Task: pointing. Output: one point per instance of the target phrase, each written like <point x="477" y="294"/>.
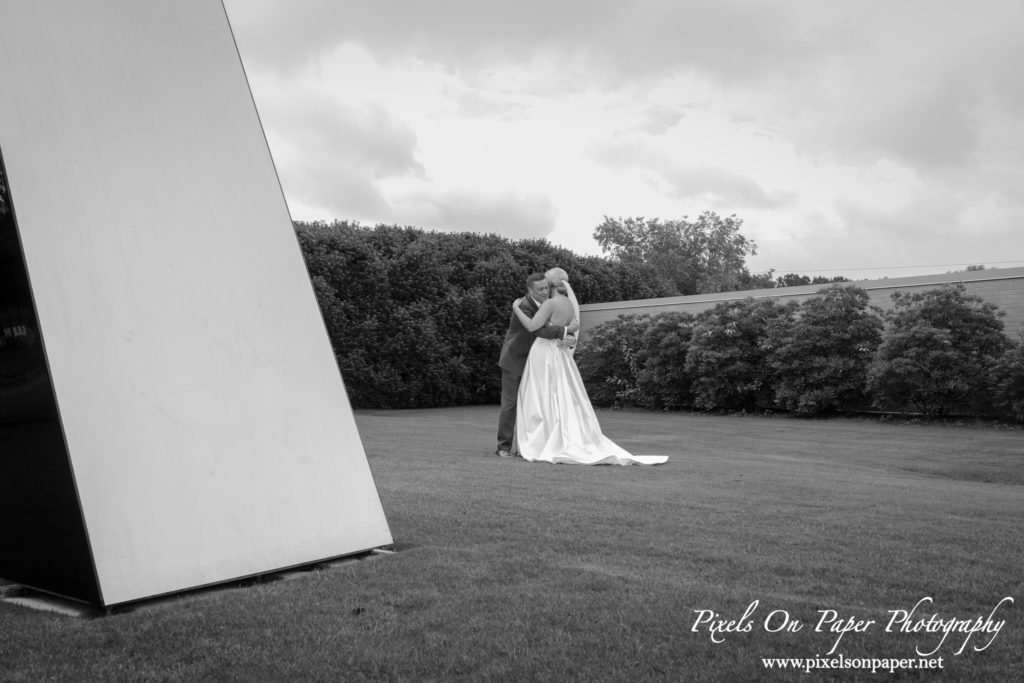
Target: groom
<point x="514" y="351"/>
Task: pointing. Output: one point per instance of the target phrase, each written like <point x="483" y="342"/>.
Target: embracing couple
<point x="546" y="414"/>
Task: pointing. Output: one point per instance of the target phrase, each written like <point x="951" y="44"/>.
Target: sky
<point x="856" y="138"/>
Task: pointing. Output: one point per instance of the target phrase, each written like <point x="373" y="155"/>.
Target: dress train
<point x="555" y="421"/>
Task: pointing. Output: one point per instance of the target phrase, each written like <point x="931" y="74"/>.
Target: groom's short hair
<point x="534" y="277"/>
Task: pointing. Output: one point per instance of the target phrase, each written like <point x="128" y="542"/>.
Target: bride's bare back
<point x="561" y="310"/>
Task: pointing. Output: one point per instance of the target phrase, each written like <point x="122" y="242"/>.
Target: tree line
<point x="936" y="352"/>
<point x="417" y="318"/>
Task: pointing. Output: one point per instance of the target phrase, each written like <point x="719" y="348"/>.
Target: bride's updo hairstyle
<point x="557" y="278"/>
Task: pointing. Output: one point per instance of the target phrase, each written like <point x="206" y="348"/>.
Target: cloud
<point x="608" y="40"/>
<point x="927" y="91"/>
<point x="361" y="135"/>
<point x="915" y="81"/>
<point x="859" y="78"/>
<point x="715" y="186"/>
<point x="472" y="105"/>
<point x="921" y="215"/>
<point x="658" y="119"/>
<point x="932" y="226"/>
<point x="332" y="154"/>
<point x="513" y="215"/>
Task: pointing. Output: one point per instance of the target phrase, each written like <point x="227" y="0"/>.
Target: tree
<point x="795" y="280"/>
<point x="729" y="352"/>
<point x="764" y="280"/>
<point x="792" y="280"/>
<point x="1007" y="380"/>
<point x="662" y="380"/>
<point x="417" y="318"/>
<point x="608" y="359"/>
<point x="821" y="360"/>
<point x="692" y="257"/>
<point x="938" y="352"/>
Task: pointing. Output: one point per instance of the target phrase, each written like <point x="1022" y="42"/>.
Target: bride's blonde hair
<point x="557" y="278"/>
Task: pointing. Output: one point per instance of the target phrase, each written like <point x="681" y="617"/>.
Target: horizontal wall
<point x="1003" y="287"/>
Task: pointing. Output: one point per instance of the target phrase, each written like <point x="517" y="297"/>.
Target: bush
<point x="397" y="325"/>
<point x="608" y="360"/>
<point x="938" y="352"/>
<point x="662" y="380"/>
<point x="417" y="318"/>
<point x="821" y="360"/>
<point x="729" y="352"/>
<point x="1007" y="381"/>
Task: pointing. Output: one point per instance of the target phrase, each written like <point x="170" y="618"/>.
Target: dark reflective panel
<point x="42" y="536"/>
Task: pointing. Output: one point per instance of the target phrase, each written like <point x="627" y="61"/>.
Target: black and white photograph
<point x="486" y="341"/>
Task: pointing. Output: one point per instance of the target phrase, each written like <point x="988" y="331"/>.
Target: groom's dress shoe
<point x="502" y="453"/>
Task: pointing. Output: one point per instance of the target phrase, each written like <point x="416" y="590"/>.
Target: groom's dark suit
<point x="512" y="360"/>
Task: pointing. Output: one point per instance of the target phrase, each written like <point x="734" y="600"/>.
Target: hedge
<point x="938" y="352"/>
<point x="417" y="318"/>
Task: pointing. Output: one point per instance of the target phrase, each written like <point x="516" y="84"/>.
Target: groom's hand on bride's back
<point x="573" y="326"/>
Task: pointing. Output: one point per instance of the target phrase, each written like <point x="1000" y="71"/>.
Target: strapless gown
<point x="555" y="421"/>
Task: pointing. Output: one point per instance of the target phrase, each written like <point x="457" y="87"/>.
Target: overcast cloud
<point x="852" y="138"/>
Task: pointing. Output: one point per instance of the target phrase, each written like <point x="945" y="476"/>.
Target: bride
<point x="554" y="421"/>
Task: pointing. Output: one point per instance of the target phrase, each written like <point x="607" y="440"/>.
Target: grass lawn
<point x="507" y="570"/>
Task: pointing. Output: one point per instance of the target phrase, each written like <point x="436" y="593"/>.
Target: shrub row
<point x="937" y="352"/>
<point x="417" y="318"/>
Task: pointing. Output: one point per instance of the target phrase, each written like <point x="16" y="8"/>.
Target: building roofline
<point x="803" y="290"/>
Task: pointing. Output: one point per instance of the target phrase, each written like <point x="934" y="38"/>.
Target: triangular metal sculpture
<point x="171" y="415"/>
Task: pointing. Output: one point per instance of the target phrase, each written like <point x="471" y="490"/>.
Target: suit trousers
<point x="507" y="418"/>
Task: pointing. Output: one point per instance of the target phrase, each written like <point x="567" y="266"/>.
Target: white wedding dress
<point x="555" y="421"/>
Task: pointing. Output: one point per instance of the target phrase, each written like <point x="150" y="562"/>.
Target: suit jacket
<point x="518" y="339"/>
